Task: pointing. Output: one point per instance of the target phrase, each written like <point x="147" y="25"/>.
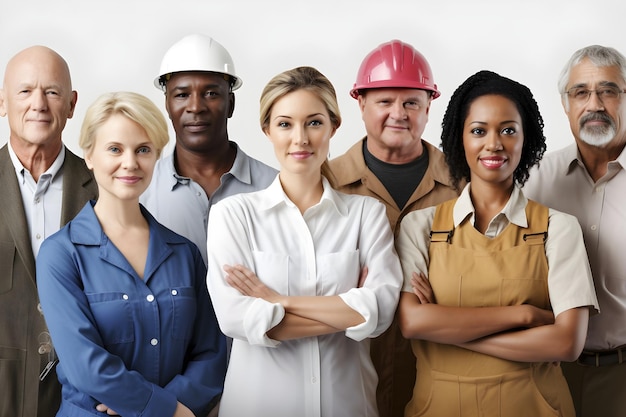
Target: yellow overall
<point x="468" y="269"/>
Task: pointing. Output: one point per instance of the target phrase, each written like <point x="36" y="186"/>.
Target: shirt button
<point x="39" y="308"/>
<point x="154" y="342"/>
<point x="125" y="296"/>
<point x="150" y="298"/>
<point x="37" y="200"/>
<point x="38" y="236"/>
<point x="313" y="380"/>
<point x="594" y="227"/>
<point x="174" y="292"/>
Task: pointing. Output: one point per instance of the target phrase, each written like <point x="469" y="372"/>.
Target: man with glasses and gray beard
<point x="587" y="179"/>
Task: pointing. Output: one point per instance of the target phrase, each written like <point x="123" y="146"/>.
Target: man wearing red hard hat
<point x="394" y="88"/>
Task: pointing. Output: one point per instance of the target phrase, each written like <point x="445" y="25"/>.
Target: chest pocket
<point x="183" y="312"/>
<point x="114" y="318"/>
<point x="339" y="272"/>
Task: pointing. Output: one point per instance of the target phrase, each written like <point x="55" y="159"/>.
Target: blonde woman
<point x="125" y="298"/>
<point x="285" y="265"/>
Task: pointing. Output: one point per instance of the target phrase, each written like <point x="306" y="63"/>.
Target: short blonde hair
<point x="135" y="107"/>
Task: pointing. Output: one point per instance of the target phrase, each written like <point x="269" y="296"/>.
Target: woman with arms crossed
<point x="284" y="271"/>
<point x="125" y="298"/>
<point x="509" y="290"/>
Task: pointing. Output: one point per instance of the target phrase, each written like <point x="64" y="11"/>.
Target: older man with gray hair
<point x="587" y="179"/>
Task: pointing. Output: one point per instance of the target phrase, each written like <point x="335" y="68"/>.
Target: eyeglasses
<point x="605" y="94"/>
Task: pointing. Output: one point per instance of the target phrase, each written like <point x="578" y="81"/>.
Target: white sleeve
<point x="228" y="243"/>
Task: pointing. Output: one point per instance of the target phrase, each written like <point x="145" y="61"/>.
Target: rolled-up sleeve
<point x="377" y="300"/>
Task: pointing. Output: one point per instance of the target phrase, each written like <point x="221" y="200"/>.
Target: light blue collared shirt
<point x="42" y="199"/>
<point x="181" y="204"/>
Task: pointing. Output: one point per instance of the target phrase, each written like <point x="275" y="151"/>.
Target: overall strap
<point x="443" y="223"/>
<point x="537" y="231"/>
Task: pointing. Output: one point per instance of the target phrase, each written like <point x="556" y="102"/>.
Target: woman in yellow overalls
<point x="497" y="288"/>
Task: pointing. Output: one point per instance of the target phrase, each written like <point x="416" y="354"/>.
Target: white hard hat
<point x="197" y="53"/>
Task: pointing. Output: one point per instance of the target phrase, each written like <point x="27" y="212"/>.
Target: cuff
<point x="259" y="319"/>
<point x="363" y="301"/>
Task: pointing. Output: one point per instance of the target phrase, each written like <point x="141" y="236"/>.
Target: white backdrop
<point x="114" y="45"/>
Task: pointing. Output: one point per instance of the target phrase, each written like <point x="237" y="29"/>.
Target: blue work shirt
<point x="136" y="345"/>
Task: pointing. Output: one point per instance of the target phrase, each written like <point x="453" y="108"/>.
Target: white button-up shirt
<point x="318" y="253"/>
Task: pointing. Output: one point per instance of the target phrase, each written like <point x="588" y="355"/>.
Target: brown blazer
<point x="21" y="323"/>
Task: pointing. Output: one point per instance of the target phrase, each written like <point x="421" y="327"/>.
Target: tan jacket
<point x="354" y="177"/>
<point x="22" y="394"/>
<point x="390" y="352"/>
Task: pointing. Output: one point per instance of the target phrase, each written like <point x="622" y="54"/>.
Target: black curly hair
<point x="487" y="83"/>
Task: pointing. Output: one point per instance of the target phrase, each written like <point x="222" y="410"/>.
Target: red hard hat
<point x="395" y="64"/>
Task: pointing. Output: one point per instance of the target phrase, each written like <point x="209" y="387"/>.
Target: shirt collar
<point x="240" y="170"/>
<point x="514" y="210"/>
<point x="274" y="195"/>
<point x="52" y="171"/>
<point x="86" y="229"/>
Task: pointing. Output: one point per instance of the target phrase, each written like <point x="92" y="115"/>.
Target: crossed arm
<point x="521" y="333"/>
<point x="305" y="316"/>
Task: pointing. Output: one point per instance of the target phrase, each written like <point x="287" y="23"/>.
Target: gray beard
<point x="598" y="137"/>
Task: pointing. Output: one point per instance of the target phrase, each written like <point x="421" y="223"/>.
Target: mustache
<point x="597" y="116"/>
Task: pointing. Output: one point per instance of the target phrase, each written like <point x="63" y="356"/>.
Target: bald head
<point x="42" y="57"/>
<point x="37" y="98"/>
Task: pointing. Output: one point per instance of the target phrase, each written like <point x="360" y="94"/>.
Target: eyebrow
<point x="189" y="86"/>
<point x="601" y="83"/>
<point x="291" y="117"/>
<point x="501" y="123"/>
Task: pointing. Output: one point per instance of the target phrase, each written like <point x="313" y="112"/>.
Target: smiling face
<point x="199" y="105"/>
<point x="395" y="119"/>
<point x="595" y="121"/>
<point x="493" y="139"/>
<point x="122" y="159"/>
<point x="300" y="130"/>
<point x="37" y="97"/>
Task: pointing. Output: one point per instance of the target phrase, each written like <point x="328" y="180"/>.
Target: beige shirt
<point x="562" y="182"/>
<point x="569" y="277"/>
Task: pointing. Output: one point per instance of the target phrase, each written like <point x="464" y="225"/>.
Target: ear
<point x="73" y="104"/>
<point x="167" y="106"/>
<point x="231" y="108"/>
<point x="332" y="133"/>
<point x="361" y="100"/>
<point x="3" y="110"/>
<point x="430" y="100"/>
<point x="88" y="159"/>
<point x="565" y="103"/>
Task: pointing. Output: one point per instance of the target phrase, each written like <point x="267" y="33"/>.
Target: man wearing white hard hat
<point x="394" y="88"/>
<point x="198" y="77"/>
